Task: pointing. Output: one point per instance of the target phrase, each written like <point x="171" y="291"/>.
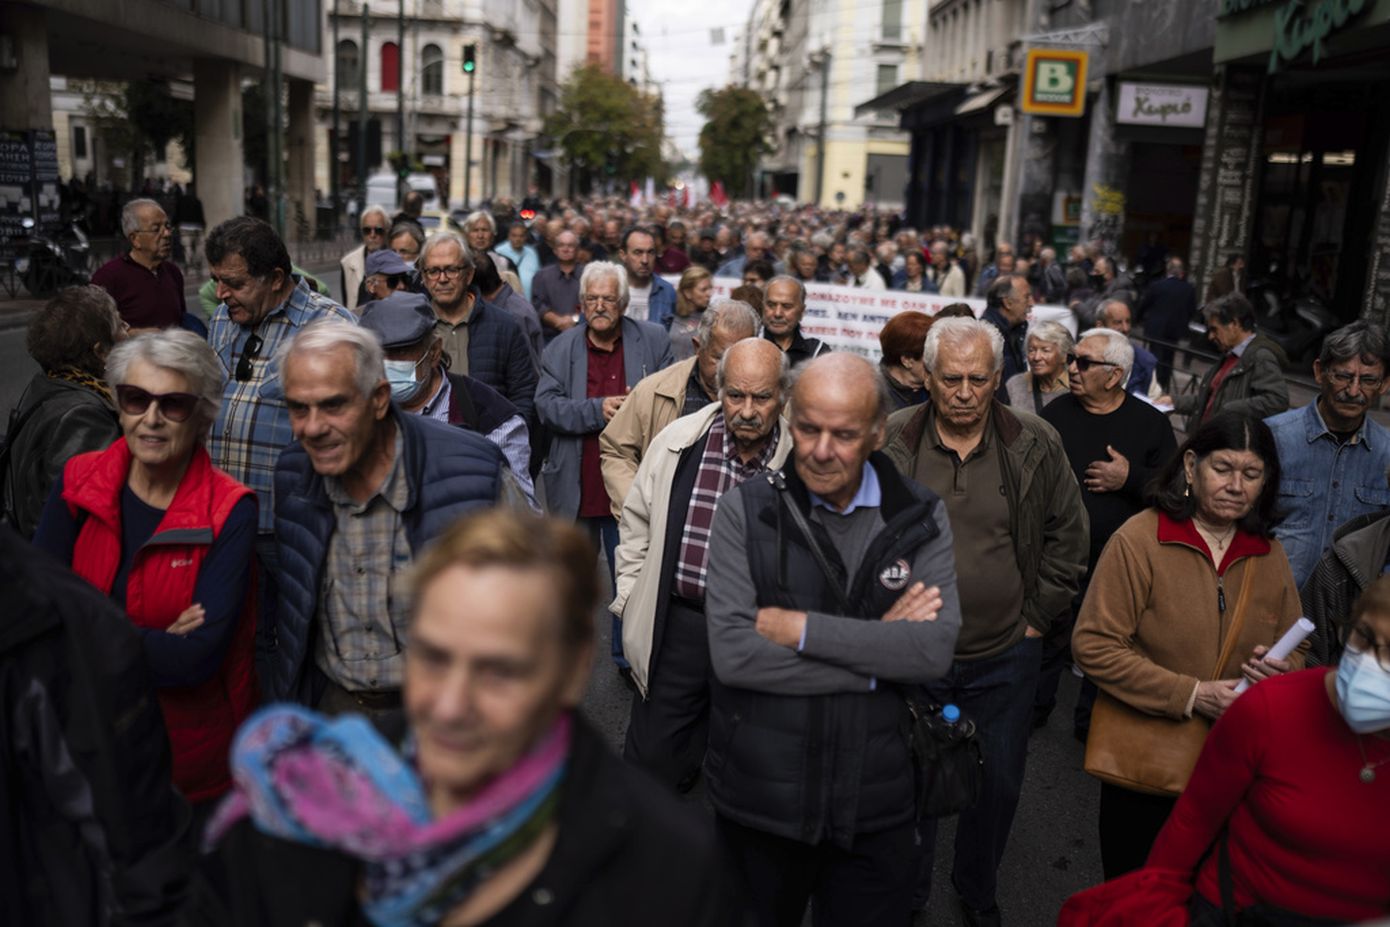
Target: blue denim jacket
<point x="1325" y="484"/>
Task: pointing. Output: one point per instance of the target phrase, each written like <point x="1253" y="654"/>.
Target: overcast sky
<point x="683" y="60"/>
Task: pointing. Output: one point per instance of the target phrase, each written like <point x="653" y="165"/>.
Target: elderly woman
<point x="902" y="340"/>
<point x="1184" y="593"/>
<point x="692" y="299"/>
<point x="1297" y="775"/>
<point x="67" y="408"/>
<point x="1049" y="343"/>
<point x="913" y="277"/>
<point x="406" y="238"/>
<point x="150" y="522"/>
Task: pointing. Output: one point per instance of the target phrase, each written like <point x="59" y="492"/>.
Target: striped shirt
<point x="253" y="425"/>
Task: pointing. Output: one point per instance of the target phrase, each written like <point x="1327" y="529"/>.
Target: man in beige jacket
<point x="663" y="553"/>
<point x="661" y="398"/>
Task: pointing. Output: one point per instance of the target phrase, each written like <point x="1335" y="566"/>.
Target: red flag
<point x="717" y="196"/>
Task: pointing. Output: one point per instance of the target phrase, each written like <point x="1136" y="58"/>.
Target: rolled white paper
<point x="1284" y="646"/>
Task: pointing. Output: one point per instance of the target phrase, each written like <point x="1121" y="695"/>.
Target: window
<point x="79" y="141"/>
<point x="390" y="61"/>
<point x="892" y="19"/>
<point x="347" y="66"/>
<point x="887" y="78"/>
<point x="431" y="70"/>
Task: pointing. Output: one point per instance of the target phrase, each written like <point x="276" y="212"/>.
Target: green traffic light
<point x="470" y="53"/>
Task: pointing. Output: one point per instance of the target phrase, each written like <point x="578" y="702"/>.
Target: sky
<point x="683" y="60"/>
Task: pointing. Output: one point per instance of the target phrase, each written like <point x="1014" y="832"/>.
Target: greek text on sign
<point x="1054" y="82"/>
<point x="1181" y="106"/>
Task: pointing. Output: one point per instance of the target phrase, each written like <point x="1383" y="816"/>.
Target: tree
<point x="139" y="119"/>
<point x="734" y="136"/>
<point x="609" y="129"/>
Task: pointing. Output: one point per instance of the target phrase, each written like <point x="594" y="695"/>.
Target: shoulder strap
<point x="1037" y="396"/>
<point x="17" y="423"/>
<point x="780" y="483"/>
<point x="1238" y="619"/>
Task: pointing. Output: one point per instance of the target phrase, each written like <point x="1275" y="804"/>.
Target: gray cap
<point x="385" y="261"/>
<point x="399" y="320"/>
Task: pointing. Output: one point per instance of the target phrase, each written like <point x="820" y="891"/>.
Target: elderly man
<point x="1109" y="283"/>
<point x="146" y="285"/>
<point x="586" y="375"/>
<point x="422" y="385"/>
<point x="1166" y="310"/>
<point x="359" y="494"/>
<point x="1116" y="444"/>
<point x="1052" y="277"/>
<point x="1007" y="305"/>
<point x="784" y="303"/>
<point x="1019" y="521"/>
<point x="482" y="340"/>
<point x="1333" y="457"/>
<point x="1114" y="314"/>
<point x="480" y="229"/>
<point x="387" y="273"/>
<point x="519" y="250"/>
<point x="945" y="273"/>
<point x="555" y="288"/>
<point x="650" y="298"/>
<point x="1249" y="377"/>
<point x="755" y="248"/>
<point x="673" y="259"/>
<point x="681" y="389"/>
<point x="862" y="274"/>
<point x="663" y="554"/>
<point x="1001" y="266"/>
<point x="810" y="666"/>
<point x="374" y="224"/>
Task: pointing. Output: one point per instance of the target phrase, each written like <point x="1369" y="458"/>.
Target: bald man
<point x="690" y="465"/>
<point x="809" y="666"/>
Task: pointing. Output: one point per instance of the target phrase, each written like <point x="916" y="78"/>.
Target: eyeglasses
<point x="1086" y="363"/>
<point x="595" y="300"/>
<point x="1366" y="380"/>
<point x="176" y="407"/>
<point x="1361" y="640"/>
<point x="373" y="230"/>
<point x="248" y="354"/>
<point x="434" y="273"/>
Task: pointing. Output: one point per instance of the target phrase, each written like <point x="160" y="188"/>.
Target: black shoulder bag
<point x="947" y="762"/>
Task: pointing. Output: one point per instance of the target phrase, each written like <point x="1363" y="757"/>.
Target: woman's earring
<point x="1187" y="490"/>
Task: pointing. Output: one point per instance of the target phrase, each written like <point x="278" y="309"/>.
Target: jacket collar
<point x="672" y="386"/>
<point x="895" y="496"/>
<point x="99" y="493"/>
<point x="1243" y="544"/>
<point x="1314" y="427"/>
<point x="1005" y="423"/>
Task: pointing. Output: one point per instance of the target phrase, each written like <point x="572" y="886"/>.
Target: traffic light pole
<point x="468" y="150"/>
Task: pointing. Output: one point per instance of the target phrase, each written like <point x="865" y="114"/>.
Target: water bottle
<point x="951" y="724"/>
<point x="949" y="714"/>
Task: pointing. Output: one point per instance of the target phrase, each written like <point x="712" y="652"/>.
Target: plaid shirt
<point x="720" y="471"/>
<point x="253" y="425"/>
<point x="363" y="606"/>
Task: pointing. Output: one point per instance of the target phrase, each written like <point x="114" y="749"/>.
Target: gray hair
<point x="130" y="222"/>
<point x="1103" y="313"/>
<point x="407" y="227"/>
<point x="956" y="331"/>
<point x="328" y="334"/>
<point x="480" y="215"/>
<point x="375" y="209"/>
<point x="180" y="351"/>
<point x="1117" y="350"/>
<point x="595" y="271"/>
<point x="1359" y="340"/>
<point x="727" y="313"/>
<point x="1053" y="333"/>
<point x="439" y="238"/>
<point x="787" y="278"/>
<point x="785" y="377"/>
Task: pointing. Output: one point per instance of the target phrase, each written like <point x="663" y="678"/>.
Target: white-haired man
<point x="373" y="224"/>
<point x="147" y="286"/>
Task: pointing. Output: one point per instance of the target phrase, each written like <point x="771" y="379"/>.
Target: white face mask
<point x="405" y="386"/>
<point x="1363" y="692"/>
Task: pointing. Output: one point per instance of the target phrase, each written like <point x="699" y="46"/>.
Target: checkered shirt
<point x="253" y="425"/>
<point x="720" y="471"/>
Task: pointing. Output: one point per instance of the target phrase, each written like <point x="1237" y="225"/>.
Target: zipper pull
<point x="1221" y="594"/>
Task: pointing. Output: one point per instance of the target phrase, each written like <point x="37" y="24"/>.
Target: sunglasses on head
<point x="1086" y="363"/>
<point x="176" y="407"/>
<point x="248" y="354"/>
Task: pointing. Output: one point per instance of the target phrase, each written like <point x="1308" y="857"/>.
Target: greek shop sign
<point x="1182" y="106"/>
<point x="1299" y="25"/>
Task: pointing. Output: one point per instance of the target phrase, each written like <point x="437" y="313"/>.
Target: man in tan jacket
<point x="661" y="398"/>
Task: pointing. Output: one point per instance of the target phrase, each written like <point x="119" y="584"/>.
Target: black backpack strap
<point x="780" y="484"/>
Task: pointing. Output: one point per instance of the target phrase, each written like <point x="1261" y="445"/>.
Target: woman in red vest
<point x="150" y="522"/>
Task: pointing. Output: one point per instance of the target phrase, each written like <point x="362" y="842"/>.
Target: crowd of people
<point x="305" y="590"/>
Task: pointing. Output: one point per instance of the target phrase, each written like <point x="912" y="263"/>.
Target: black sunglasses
<point x="248" y="354"/>
<point x="176" y="407"/>
<point x="1086" y="363"/>
<point x="373" y="230"/>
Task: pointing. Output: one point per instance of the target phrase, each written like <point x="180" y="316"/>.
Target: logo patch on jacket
<point x="895" y="576"/>
<point x="181" y="562"/>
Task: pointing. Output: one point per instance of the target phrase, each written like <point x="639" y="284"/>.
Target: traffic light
<point x="470" y="58"/>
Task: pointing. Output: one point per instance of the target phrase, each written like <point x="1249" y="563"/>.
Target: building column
<point x="219" y="176"/>
<point x="1376" y="307"/>
<point x="1026" y="204"/>
<point x="1223" y="214"/>
<point x="25" y="102"/>
<point x="299" y="176"/>
<point x="1103" y="190"/>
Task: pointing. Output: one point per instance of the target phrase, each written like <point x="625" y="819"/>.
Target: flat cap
<point x="399" y="320"/>
<point x="385" y="261"/>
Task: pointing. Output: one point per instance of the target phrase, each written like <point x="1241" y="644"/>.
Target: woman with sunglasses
<point x="1291" y="796"/>
<point x="150" y="522"/>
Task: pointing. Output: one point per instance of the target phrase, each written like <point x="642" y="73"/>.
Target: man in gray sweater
<point x="807" y="765"/>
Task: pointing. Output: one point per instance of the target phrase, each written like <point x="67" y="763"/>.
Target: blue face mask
<point x="1363" y="692"/>
<point x="404" y="384"/>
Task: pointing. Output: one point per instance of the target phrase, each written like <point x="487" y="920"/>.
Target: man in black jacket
<point x="1166" y="309"/>
<point x="807" y="767"/>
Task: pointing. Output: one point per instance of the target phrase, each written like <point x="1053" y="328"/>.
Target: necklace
<point x="1217" y="544"/>
<point x="1368" y="769"/>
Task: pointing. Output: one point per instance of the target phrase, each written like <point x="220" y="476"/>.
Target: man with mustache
<point x="663" y="553"/>
<point x="1332" y="456"/>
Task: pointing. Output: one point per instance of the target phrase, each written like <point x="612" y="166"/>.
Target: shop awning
<point x="980" y="101"/>
<point x="905" y="95"/>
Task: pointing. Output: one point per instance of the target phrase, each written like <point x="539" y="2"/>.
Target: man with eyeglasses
<point x="1116" y="443"/>
<point x="1249" y="378"/>
<point x="374" y="223"/>
<point x="1332" y="456"/>
<point x="147" y="286"/>
<point x="261" y="304"/>
<point x="1018" y="522"/>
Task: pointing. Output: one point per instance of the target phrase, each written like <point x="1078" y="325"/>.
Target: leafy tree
<point x="139" y="119"/>
<point x="734" y="137"/>
<point x="609" y="129"/>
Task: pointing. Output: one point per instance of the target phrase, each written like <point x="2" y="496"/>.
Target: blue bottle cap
<point x="950" y="714"/>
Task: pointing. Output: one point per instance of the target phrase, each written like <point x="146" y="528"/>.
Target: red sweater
<point x="1306" y="835"/>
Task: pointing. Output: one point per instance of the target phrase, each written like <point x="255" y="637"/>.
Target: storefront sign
<point x="1054" y="83"/>
<point x="1299" y="27"/>
<point x="1174" y="105"/>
